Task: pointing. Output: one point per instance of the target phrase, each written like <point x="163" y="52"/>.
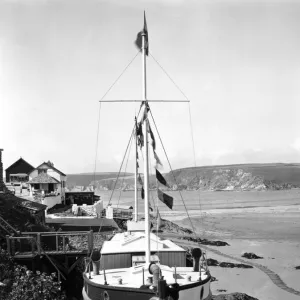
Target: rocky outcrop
<point x="251" y="255"/>
<point x="220" y="178"/>
<point x="215" y="263"/>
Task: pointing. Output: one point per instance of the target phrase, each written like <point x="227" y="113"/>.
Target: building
<point x="18" y="171"/>
<point x="81" y="197"/>
<point x="47" y="180"/>
<point x="1" y="172"/>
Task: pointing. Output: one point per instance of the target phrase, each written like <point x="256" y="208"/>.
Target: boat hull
<point x="92" y="291"/>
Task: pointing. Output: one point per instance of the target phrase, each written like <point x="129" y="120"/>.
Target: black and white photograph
<point x="149" y="149"/>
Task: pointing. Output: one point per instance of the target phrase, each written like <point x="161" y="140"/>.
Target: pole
<point x="135" y="178"/>
<point x="146" y="165"/>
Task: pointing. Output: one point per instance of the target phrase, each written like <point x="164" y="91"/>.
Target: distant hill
<point x="84" y="179"/>
<point x="276" y="176"/>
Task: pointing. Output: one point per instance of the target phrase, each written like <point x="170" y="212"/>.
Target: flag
<point x="160" y="178"/>
<point x="140" y="180"/>
<point x="138" y="41"/>
<point x="158" y="162"/>
<point x="152" y="137"/>
<point x="143" y="193"/>
<point x="166" y="199"/>
<point x="139" y="134"/>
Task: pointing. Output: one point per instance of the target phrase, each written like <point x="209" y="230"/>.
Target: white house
<point x="48" y="180"/>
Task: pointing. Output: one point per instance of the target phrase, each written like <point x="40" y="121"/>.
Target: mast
<point x="146" y="164"/>
<point x="135" y="177"/>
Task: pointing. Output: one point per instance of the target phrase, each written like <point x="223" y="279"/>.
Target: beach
<point x="266" y="223"/>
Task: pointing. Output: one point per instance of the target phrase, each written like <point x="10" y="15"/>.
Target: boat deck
<point x="133" y="277"/>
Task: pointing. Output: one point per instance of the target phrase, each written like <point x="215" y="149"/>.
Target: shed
<point x="18" y="171"/>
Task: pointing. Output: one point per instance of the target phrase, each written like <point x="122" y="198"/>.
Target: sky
<point x="237" y="62"/>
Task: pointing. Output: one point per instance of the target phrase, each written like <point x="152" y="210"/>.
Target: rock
<point x="212" y="262"/>
<point x="233" y="296"/>
<point x="297" y="268"/>
<point x="251" y="255"/>
<point x="226" y="265"/>
<point x="213" y="279"/>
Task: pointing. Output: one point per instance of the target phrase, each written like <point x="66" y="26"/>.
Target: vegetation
<point x="19" y="283"/>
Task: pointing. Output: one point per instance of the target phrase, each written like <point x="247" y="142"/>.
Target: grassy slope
<point x="85" y="179"/>
<point x="277" y="172"/>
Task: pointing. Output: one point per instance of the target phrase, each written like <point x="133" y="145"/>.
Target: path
<point x="272" y="275"/>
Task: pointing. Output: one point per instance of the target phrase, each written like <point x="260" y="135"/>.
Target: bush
<point x="22" y="284"/>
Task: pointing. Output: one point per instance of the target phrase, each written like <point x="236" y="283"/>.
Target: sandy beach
<point x="266" y="223"/>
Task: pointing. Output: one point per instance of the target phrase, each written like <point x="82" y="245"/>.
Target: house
<point x="47" y="180"/>
<point x="18" y="171"/>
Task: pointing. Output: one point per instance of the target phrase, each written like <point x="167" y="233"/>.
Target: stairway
<point x="6" y="228"/>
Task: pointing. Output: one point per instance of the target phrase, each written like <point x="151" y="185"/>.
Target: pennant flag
<point x="158" y="162"/>
<point x="139" y="134"/>
<point x="158" y="218"/>
<point x="160" y="178"/>
<point x="138" y="41"/>
<point x="143" y="193"/>
<point x="152" y="137"/>
<point x="166" y="199"/>
<point x="140" y="180"/>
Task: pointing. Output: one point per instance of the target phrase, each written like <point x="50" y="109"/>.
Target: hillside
<point x="245" y="177"/>
<point x="84" y="179"/>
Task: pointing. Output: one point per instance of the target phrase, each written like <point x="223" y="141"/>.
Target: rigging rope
<point x="173" y="174"/>
<point x="195" y="164"/>
<point x="176" y="85"/>
<point x="96" y="156"/>
<point x="121" y="188"/>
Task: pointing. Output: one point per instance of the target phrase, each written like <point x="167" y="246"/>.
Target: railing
<point x="7" y="227"/>
<point x="52" y="242"/>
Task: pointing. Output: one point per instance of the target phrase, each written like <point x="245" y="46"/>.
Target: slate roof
<point x="43" y="178"/>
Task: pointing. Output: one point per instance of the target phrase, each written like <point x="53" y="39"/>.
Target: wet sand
<point x="266" y="223"/>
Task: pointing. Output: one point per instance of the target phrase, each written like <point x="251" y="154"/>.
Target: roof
<point x="43" y="178"/>
<point x="51" y="167"/>
<point x="31" y="205"/>
<point x="16" y="162"/>
<point x="134" y="242"/>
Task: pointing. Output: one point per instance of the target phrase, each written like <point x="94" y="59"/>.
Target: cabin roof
<point x="126" y="242"/>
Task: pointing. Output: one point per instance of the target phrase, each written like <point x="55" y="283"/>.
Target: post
<point x="8" y="245"/>
<point x="135" y="177"/>
<point x="91" y="241"/>
<point x="64" y="243"/>
<point x="39" y="243"/>
<point x="146" y="164"/>
<point x="56" y="241"/>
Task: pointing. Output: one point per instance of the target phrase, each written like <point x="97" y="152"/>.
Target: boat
<point x="138" y="264"/>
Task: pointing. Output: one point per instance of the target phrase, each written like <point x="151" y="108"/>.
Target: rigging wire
<point x="195" y="164"/>
<point x="129" y="142"/>
<point x="173" y="173"/>
<point x="121" y="188"/>
<point x="176" y="85"/>
<point x="96" y="155"/>
<point x="124" y="70"/>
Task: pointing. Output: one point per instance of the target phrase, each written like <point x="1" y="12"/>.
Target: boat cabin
<point x="124" y="250"/>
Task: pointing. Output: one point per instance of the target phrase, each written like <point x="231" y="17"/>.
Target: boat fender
<point x="196" y="254"/>
<point x="155" y="271"/>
